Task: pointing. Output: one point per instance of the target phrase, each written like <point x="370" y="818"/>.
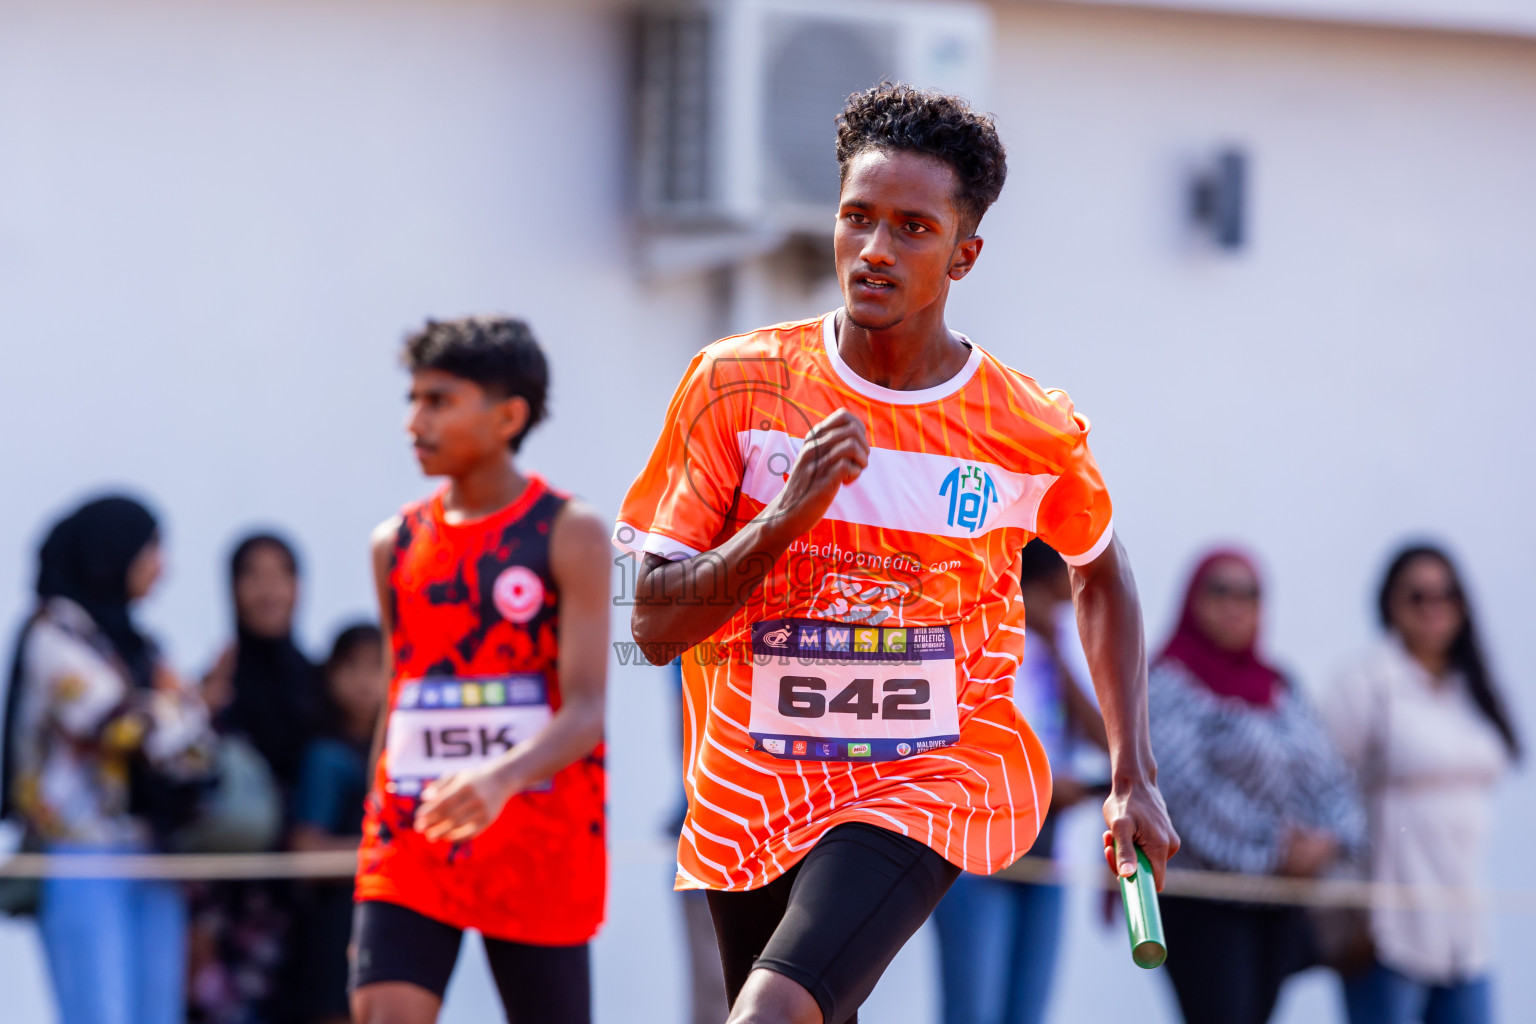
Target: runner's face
<point x="454" y="424"/>
<point x="897" y="241"/>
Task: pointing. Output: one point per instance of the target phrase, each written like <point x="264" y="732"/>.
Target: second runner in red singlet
<point x="487" y="805"/>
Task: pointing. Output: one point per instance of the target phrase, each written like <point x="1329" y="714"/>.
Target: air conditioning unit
<point x="737" y="99"/>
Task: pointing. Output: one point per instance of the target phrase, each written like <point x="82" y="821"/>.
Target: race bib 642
<point x="833" y="691"/>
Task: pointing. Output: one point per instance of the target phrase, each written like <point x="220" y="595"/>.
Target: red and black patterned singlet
<point x="476" y="625"/>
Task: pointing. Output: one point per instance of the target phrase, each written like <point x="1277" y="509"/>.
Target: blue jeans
<point x="997" y="950"/>
<point x="1383" y="996"/>
<point x="116" y="949"/>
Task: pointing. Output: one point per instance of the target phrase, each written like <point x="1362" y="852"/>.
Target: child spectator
<point x="998" y="939"/>
<point x="328" y="815"/>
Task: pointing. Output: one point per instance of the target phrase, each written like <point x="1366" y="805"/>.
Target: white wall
<point x="1512" y="17"/>
<point x="217" y="219"/>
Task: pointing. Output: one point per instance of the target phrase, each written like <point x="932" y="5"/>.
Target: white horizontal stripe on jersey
<point x="920" y="492"/>
<point x="1095" y="551"/>
<point x="638" y="542"/>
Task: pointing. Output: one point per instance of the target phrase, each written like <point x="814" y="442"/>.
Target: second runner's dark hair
<point x="898" y="117"/>
<point x="496" y="352"/>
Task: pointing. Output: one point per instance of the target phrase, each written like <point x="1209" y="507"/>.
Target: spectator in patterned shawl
<point x="1253" y="785"/>
<point x="91" y="708"/>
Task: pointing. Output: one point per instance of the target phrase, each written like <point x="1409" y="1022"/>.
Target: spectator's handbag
<point x="166" y="801"/>
<point x="19" y="896"/>
<point x="241" y="812"/>
<point x="1343" y="934"/>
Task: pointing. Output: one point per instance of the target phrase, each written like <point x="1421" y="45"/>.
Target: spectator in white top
<point x="1427" y="732"/>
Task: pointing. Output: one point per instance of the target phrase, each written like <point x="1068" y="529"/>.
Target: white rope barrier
<point x="182" y="866"/>
<point x="342" y="864"/>
<point x="324" y="864"/>
<point x="1280" y="891"/>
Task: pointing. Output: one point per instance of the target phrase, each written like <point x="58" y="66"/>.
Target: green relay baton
<point x="1143" y="919"/>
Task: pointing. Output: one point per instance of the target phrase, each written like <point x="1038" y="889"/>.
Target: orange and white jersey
<point x="870" y="678"/>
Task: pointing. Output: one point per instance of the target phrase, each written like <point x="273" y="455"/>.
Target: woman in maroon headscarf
<point x="1253" y="785"/>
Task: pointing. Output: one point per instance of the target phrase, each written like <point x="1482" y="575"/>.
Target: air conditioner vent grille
<point x="813" y="65"/>
<point x="674" y="116"/>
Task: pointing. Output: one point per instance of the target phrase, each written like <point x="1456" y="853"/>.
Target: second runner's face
<point x="897" y="241"/>
<point x="454" y="425"/>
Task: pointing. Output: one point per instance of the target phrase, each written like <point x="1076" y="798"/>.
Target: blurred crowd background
<point x="1279" y="252"/>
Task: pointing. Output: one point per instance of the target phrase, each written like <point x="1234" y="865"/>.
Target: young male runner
<point x="487" y="807"/>
<point x="837" y="506"/>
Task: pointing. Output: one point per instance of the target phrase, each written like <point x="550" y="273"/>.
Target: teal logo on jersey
<point x="971" y="494"/>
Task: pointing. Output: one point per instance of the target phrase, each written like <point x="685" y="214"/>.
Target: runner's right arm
<point x="679" y="603"/>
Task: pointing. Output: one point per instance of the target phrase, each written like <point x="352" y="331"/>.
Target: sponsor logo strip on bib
<point x="833" y="691"/>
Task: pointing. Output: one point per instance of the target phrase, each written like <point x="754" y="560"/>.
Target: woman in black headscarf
<point x="91" y="709"/>
<point x="266" y="691"/>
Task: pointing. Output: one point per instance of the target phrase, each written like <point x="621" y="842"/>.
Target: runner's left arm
<point x="460" y="806"/>
<point x="1109" y="621"/>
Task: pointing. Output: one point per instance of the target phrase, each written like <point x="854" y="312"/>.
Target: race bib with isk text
<point x="443" y="726"/>
<point x="834" y="691"/>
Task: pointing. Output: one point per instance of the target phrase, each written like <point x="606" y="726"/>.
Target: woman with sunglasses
<point x="1424" y="727"/>
<point x="1253" y="786"/>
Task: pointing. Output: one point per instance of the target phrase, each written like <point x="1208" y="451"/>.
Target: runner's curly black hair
<point x="496" y="352"/>
<point x="898" y="117"/>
